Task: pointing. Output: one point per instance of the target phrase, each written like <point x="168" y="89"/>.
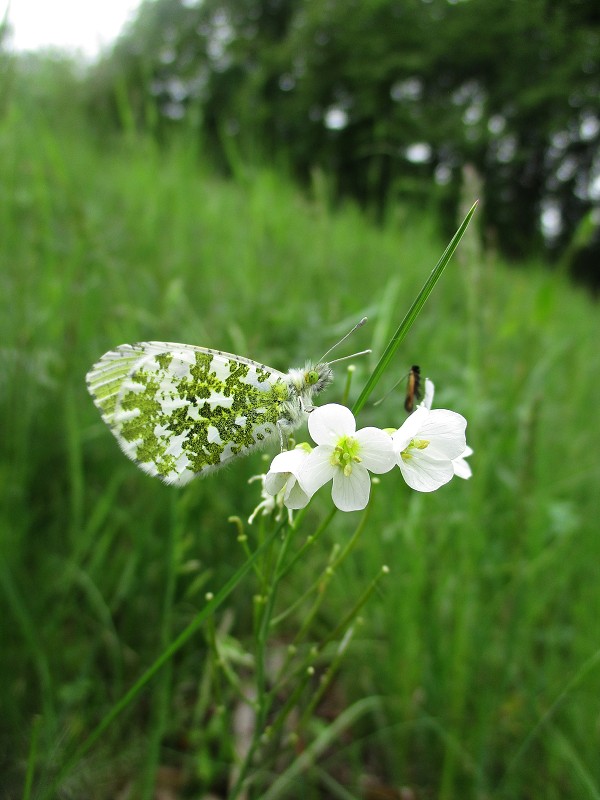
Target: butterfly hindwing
<point x="179" y="411"/>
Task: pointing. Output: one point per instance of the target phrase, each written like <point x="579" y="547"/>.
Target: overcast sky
<point x="84" y="25"/>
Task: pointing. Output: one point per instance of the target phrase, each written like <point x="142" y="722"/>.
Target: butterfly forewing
<point x="179" y="411"/>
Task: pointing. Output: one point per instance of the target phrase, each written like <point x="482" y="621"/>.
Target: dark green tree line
<point x="387" y="96"/>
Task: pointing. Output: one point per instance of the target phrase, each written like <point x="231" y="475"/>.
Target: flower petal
<point x="326" y="424"/>
<point x="376" y="450"/>
<point x="409" y="428"/>
<point x="289" y="461"/>
<point x="275" y="481"/>
<point x="461" y="468"/>
<point x="445" y="431"/>
<point x="295" y="496"/>
<point x="317" y="469"/>
<point x="425" y="474"/>
<point x="428" y="397"/>
<point x="351" y="493"/>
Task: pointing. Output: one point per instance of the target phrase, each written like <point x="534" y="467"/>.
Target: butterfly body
<point x="180" y="411"/>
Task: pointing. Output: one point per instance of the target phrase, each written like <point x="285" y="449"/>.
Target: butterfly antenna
<point x="345" y="358"/>
<point x="343" y="339"/>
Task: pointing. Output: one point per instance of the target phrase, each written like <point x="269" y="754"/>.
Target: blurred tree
<point x="387" y="96"/>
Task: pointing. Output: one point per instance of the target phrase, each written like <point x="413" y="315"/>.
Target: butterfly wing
<point x="179" y="411"/>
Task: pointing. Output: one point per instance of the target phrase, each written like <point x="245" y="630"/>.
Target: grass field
<point x="472" y="671"/>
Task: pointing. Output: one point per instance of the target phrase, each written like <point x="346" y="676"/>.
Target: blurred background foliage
<point x="388" y="98"/>
<point x="116" y="225"/>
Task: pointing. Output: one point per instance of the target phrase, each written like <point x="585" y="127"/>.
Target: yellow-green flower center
<point x="345" y="454"/>
<point x="414" y="444"/>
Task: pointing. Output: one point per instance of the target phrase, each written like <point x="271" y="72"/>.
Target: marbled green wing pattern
<point x="180" y="411"/>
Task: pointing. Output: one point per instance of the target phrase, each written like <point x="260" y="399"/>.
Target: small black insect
<point x="413" y="388"/>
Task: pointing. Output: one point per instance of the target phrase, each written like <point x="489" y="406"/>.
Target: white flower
<point x="283" y="476"/>
<point x="344" y="455"/>
<point x="461" y="468"/>
<point x="426" y="446"/>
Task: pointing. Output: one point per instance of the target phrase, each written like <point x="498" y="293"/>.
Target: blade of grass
<point x="324" y="740"/>
<point x="412" y="313"/>
<point x="35" y="730"/>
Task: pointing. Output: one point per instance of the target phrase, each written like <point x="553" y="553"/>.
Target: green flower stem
<point x="347" y="620"/>
<point x="324" y="740"/>
<point x="349" y="375"/>
<point x="326" y="679"/>
<point x="301" y="599"/>
<point x="351" y="544"/>
<point x="320" y="585"/>
<point x="322" y="581"/>
<point x="242" y="538"/>
<point x="310" y="540"/>
<point x="263" y="698"/>
<point x="300" y="678"/>
<point x="412" y="313"/>
<point x="344" y="630"/>
<point x="263" y="631"/>
<point x="222" y="666"/>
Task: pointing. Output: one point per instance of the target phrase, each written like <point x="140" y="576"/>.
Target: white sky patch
<point x="418" y="153"/>
<point x="84" y="26"/>
<point x="336" y="118"/>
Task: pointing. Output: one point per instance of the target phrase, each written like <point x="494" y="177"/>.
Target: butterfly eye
<point x="312" y="377"/>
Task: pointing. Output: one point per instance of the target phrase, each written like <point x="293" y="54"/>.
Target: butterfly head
<point x="311" y="380"/>
<point x="317" y="377"/>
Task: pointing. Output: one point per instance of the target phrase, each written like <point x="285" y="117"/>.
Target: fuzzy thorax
<point x="311" y="380"/>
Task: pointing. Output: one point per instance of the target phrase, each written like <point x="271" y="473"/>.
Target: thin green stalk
<point x="345" y="623"/>
<point x="29" y="631"/>
<point x="588" y="666"/>
<point x="310" y="541"/>
<point x="349" y="375"/>
<point x="326" y="679"/>
<point x="35" y="732"/>
<point x="412" y="314"/>
<point x="160" y="697"/>
<point x="243" y="540"/>
<point x="334" y="789"/>
<point x="263" y="698"/>
<point x="223" y="666"/>
<point x="299" y="679"/>
<point x="340" y="630"/>
<point x="328" y="573"/>
<point x="578" y="768"/>
<point x="328" y="570"/>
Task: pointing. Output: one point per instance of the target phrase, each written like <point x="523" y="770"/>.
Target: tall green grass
<point x="477" y="663"/>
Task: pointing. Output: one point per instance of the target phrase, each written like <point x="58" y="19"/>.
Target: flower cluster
<point x="429" y="449"/>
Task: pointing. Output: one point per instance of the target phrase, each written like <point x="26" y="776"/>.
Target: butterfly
<point x="181" y="411"/>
